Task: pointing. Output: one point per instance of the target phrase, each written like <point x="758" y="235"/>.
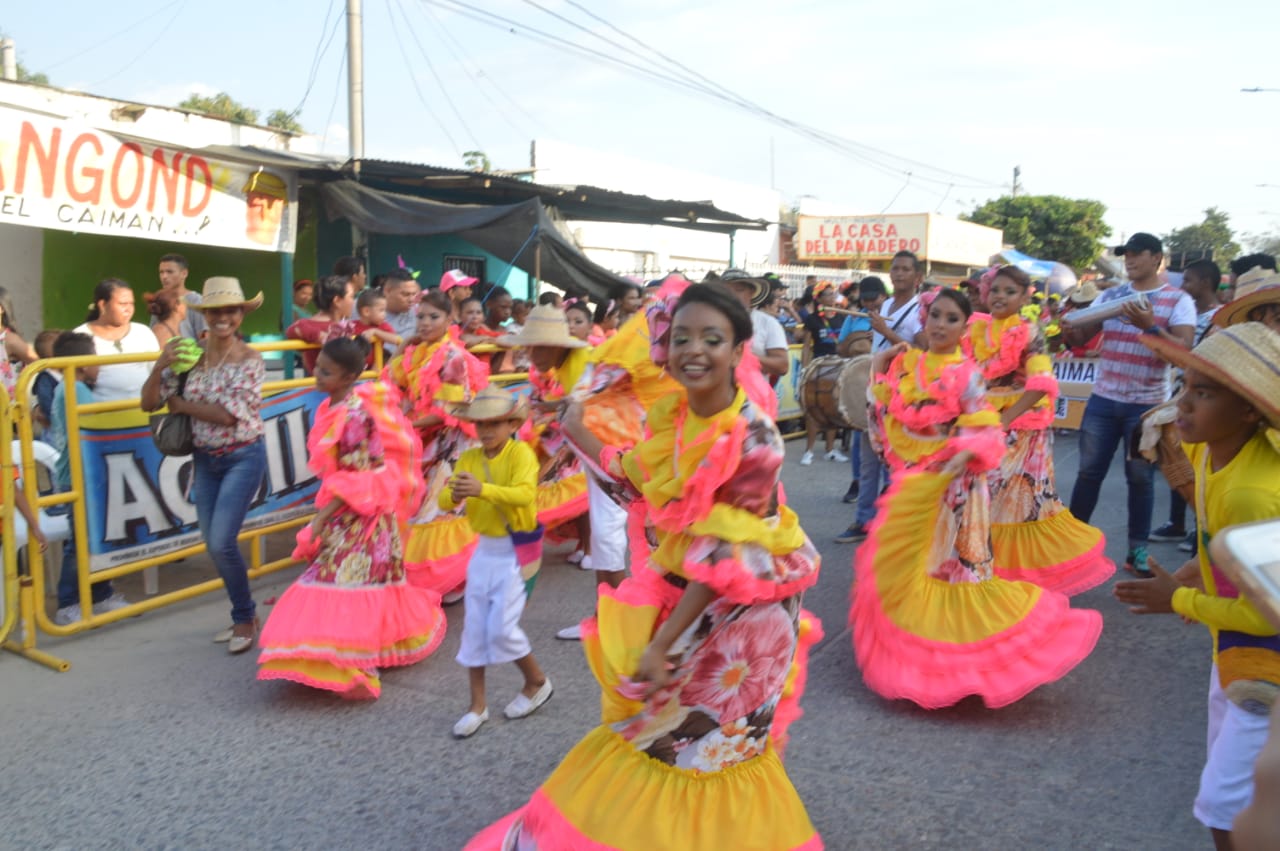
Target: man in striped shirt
<point x="1131" y="379"/>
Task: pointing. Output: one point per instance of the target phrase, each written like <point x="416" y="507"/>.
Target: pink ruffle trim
<point x="987" y="446"/>
<point x="1072" y="576"/>
<point x="788" y="710"/>
<point x="442" y="575"/>
<point x="361" y="686"/>
<point x="734" y="581"/>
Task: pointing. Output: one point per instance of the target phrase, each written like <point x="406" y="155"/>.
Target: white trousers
<point x="608" y="529"/>
<point x="494" y="600"/>
<point x="1236" y="738"/>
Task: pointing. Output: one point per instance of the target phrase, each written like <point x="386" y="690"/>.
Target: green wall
<point x="73" y="263"/>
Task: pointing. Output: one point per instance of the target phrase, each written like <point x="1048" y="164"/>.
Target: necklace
<point x="225" y="355"/>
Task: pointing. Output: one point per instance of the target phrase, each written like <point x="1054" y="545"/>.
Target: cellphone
<point x="1250" y="555"/>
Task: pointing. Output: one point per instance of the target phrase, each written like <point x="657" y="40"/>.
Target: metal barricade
<point x="8" y="531"/>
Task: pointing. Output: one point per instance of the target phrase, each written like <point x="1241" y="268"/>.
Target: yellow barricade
<point x="8" y="532"/>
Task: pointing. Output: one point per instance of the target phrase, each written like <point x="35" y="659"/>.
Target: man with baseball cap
<point x="457" y="284"/>
<point x="1131" y="379"/>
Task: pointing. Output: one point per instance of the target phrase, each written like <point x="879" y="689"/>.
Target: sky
<point x="925" y="106"/>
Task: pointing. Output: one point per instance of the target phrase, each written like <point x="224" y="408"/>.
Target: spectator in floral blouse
<point x="223" y="397"/>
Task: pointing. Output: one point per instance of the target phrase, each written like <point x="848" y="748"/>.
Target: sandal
<point x="240" y="643"/>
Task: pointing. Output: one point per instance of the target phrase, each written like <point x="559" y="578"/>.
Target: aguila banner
<point x="63" y="175"/>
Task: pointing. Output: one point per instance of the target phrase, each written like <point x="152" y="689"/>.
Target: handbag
<point x="172" y="432"/>
<point x="528" y="545"/>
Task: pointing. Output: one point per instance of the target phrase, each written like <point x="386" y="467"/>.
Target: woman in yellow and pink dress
<point x="1034" y="537"/>
<point x="434" y="370"/>
<point x="931" y="622"/>
<point x="352" y="611"/>
<point x="700" y="653"/>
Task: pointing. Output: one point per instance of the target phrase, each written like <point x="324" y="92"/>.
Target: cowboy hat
<point x="1084" y="293"/>
<point x="226" y="292"/>
<point x="737" y="277"/>
<point x="1256" y="287"/>
<point x="491" y="403"/>
<point x="544" y="326"/>
<point x="1245" y="358"/>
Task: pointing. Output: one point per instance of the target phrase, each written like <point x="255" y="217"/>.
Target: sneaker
<point x="67" y="615"/>
<point x="836" y="455"/>
<point x="806" y="459"/>
<point x="586" y="563"/>
<point x="570" y="633"/>
<point x="856" y="532"/>
<point x="111" y="604"/>
<point x="452" y="597"/>
<point x="523" y="705"/>
<point x="851" y="495"/>
<point x="575" y="557"/>
<point x="1169" y="532"/>
<point x="1136" y="563"/>
<point x="1188" y="544"/>
<point x="469" y="723"/>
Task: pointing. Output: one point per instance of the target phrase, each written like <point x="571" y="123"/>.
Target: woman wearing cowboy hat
<point x="222" y="395"/>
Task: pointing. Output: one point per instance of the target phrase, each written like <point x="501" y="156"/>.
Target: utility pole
<point x="1017" y="173"/>
<point x="355" y="78"/>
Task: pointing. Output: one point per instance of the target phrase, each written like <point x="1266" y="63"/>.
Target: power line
<point x="439" y="82"/>
<point x="152" y="43"/>
<point x="102" y="42"/>
<point x="413" y="78"/>
<point x="319" y="54"/>
<point x="337" y="90"/>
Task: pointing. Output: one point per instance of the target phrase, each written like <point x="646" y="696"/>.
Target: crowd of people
<point x="648" y="439"/>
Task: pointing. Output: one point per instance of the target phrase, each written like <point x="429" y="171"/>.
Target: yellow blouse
<point x="507" y="493"/>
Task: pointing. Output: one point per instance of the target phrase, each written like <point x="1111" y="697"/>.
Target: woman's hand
<point x="880" y="363"/>
<point x="176" y="403"/>
<point x="653" y="670"/>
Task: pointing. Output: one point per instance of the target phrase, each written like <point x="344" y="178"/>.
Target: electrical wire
<point x="182" y="4"/>
<point x="439" y="82"/>
<point x="414" y="79"/>
<point x="320" y="53"/>
<point x="337" y="89"/>
<point x="855" y="150"/>
<point x="102" y="42"/>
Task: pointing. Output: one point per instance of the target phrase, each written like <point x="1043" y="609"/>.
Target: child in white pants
<point x="498" y="480"/>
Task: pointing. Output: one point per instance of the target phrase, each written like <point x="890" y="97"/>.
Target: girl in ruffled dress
<point x="352" y="611"/>
<point x="433" y="371"/>
<point x="1034" y="536"/>
<point x="931" y="622"/>
<point x="700" y="654"/>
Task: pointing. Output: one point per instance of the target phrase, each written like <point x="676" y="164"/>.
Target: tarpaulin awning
<point x="513" y="232"/>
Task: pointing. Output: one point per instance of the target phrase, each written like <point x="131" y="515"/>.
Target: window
<point x="471" y="266"/>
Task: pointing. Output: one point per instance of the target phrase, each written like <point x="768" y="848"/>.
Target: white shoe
<point x="67" y="615"/>
<point x="575" y="557"/>
<point x="586" y="563"/>
<point x="452" y="597"/>
<point x="570" y="633"/>
<point x="225" y="635"/>
<point x="111" y="604"/>
<point x="469" y="723"/>
<point x="806" y="459"/>
<point x="522" y="705"/>
<point x="836" y="455"/>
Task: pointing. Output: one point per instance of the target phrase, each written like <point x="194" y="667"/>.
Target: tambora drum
<point x="833" y="391"/>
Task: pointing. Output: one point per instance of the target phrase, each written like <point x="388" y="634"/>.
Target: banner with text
<point x="1075" y="386"/>
<point x="860" y="237"/>
<point x="139" y="502"/>
<point x="68" y="176"/>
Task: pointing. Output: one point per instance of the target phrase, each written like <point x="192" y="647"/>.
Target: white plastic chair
<point x="56" y="528"/>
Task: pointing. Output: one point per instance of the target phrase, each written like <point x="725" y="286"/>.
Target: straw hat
<point x="737" y="277"/>
<point x="544" y="326"/>
<point x="491" y="403"/>
<point x="226" y="292"/>
<point x="1244" y="358"/>
<point x="1255" y="287"/>
<point x="1084" y="293"/>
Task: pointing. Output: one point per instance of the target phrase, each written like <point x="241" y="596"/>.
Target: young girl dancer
<point x="700" y="654"/>
<point x="1033" y="535"/>
<point x="496" y="481"/>
<point x="930" y="621"/>
<point x="432" y="372"/>
<point x="352" y="612"/>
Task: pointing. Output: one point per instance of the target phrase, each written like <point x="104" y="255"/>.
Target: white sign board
<point x="66" y="176"/>
<point x="859" y="237"/>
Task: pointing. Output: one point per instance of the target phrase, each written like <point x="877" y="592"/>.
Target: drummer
<point x="822" y="332"/>
<point x="855" y="339"/>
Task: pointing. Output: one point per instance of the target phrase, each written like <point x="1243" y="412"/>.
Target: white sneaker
<point x="111" y="604"/>
<point x="67" y="615"/>
<point x="570" y="633"/>
<point x="836" y="455"/>
<point x="575" y="557"/>
<point x="587" y="563"/>
<point x="469" y="723"/>
<point x="522" y="705"/>
<point x="806" y="459"/>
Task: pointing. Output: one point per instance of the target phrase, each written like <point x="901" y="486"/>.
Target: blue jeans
<point x="870" y="471"/>
<point x="68" y="578"/>
<point x="224" y="488"/>
<point x="1106" y="425"/>
<point x="855" y="453"/>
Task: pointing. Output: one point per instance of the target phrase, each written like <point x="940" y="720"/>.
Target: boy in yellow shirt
<point x="498" y="481"/>
<point x="1229" y="420"/>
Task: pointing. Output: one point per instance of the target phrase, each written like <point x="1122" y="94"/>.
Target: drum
<point x="833" y="391"/>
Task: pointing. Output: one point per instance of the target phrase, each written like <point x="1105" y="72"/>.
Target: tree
<point x="1212" y="238"/>
<point x="222" y="105"/>
<point x="1049" y="227"/>
<point x="476" y="160"/>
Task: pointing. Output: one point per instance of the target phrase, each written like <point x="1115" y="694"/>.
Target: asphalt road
<point x="156" y="738"/>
